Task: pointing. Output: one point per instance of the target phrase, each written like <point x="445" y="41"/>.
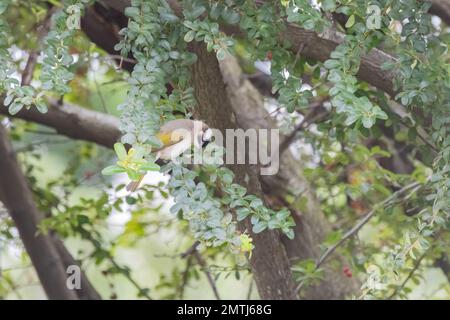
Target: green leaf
<point x="197" y="12"/>
<point x="169" y="17"/>
<point x="189" y="36"/>
<point x="41" y="106"/>
<point x="309" y="24"/>
<point x="130" y="200"/>
<point x="257" y="203"/>
<point x="133" y="175"/>
<point x="259" y="227"/>
<point x="82" y="219"/>
<point x="111" y="170"/>
<point x="190" y="25"/>
<point x="221" y="54"/>
<point x="350" y="22"/>
<point x="242" y="213"/>
<point x="9" y="98"/>
<point x="331" y="64"/>
<point x="329" y="5"/>
<point x="290" y="234"/>
<point x="131" y="12"/>
<point x="149" y="166"/>
<point x="174" y="55"/>
<point x="14" y="108"/>
<point x="368" y="122"/>
<point x="3" y="6"/>
<point x="120" y="150"/>
<point x="175" y="208"/>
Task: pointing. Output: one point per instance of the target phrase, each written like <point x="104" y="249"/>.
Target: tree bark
<point x="269" y="261"/>
<point x="17" y="198"/>
<point x="48" y="254"/>
<point x="312" y="226"/>
<point x="74" y="122"/>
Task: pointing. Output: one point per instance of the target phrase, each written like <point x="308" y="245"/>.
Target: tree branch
<point x="314" y="46"/>
<point x="74" y="122"/>
<point x="43" y="29"/>
<point x="17" y="198"/>
<point x="409" y="276"/>
<point x="367" y="217"/>
<point x="204" y="267"/>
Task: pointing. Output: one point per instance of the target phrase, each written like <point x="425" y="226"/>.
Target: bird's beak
<point x="207" y="135"/>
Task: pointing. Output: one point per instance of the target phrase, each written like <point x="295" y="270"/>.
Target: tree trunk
<point x="269" y="262"/>
<point x="48" y="254"/>
<point x="312" y="226"/>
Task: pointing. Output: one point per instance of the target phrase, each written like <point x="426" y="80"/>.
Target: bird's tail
<point x="134" y="185"/>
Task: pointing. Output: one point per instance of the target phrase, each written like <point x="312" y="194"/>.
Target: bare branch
<point x="367" y="217"/>
<point x="316" y="114"/>
<point x="410" y="274"/>
<point x="74" y="122"/>
<point x="43" y="29"/>
<point x="204" y="267"/>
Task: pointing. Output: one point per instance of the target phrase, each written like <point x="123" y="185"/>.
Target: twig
<point x="311" y="117"/>
<point x="118" y="57"/>
<point x="250" y="290"/>
<point x="102" y="100"/>
<point x="34" y="144"/>
<point x="420" y="135"/>
<point x="204" y="267"/>
<point x="353" y="231"/>
<point x="111" y="259"/>
<point x="411" y="273"/>
<point x="191" y="250"/>
<point x="272" y="112"/>
<point x="299" y="51"/>
<point x="185" y="276"/>
<point x="27" y="74"/>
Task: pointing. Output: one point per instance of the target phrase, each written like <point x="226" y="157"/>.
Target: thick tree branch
<point x="17" y="198"/>
<point x="74" y="122"/>
<point x="87" y="290"/>
<point x="314" y="46"/>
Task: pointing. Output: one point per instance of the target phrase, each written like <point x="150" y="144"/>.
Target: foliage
<point x="362" y="129"/>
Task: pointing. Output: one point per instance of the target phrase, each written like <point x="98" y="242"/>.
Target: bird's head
<point x="205" y="135"/>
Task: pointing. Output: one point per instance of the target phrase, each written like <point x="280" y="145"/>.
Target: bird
<point x="176" y="137"/>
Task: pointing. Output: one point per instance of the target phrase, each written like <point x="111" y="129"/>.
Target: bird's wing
<point x="167" y="140"/>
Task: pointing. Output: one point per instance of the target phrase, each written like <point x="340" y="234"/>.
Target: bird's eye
<point x="207" y="135"/>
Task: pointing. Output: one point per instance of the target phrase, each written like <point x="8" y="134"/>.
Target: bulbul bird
<point x="176" y="137"/>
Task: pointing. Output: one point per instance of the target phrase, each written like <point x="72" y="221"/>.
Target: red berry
<point x="347" y="272"/>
